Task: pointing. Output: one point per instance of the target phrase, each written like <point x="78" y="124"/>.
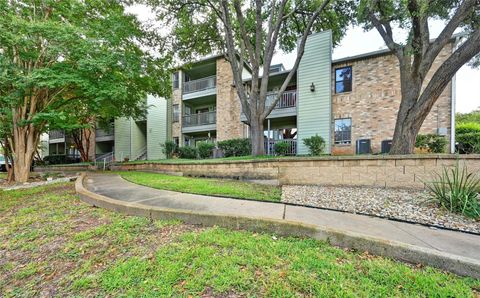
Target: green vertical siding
<point x="122" y="138"/>
<point x="315" y="108"/>
<point x="139" y="138"/>
<point x="157" y="128"/>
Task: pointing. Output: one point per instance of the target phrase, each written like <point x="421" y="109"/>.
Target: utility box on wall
<point x="386" y="146"/>
<point x="363" y="146"/>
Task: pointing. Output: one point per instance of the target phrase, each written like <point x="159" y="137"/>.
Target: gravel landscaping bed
<point x="409" y="205"/>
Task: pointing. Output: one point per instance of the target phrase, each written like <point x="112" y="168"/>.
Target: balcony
<point x="102" y="135"/>
<point x="56" y="136"/>
<point x="288" y="99"/>
<point x="199" y="122"/>
<point x="285" y="107"/>
<point x="201" y="87"/>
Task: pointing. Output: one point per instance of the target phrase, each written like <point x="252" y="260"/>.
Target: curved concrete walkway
<point x="458" y="246"/>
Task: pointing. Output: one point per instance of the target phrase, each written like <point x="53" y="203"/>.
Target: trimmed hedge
<point x="59" y="159"/>
<point x="315" y="145"/>
<point x="281" y="148"/>
<point x="235" y="147"/>
<point x="188" y="152"/>
<point x="468" y="137"/>
<point x="169" y="148"/>
<point x="432" y="143"/>
<point x="205" y="149"/>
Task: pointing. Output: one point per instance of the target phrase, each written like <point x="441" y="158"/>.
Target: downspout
<point x="453" y="104"/>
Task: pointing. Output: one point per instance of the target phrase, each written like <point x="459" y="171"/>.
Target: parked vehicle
<point x="3" y="167"/>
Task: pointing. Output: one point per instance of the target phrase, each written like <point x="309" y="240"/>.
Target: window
<point x="343" y="79"/>
<point x="176" y="113"/>
<point x="175" y="79"/>
<point x="343" y="131"/>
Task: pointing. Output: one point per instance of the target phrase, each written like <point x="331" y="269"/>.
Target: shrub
<point x="315" y="145"/>
<point x="467" y="127"/>
<point x="431" y="143"/>
<point x="468" y="137"/>
<point x="205" y="149"/>
<point x="457" y="190"/>
<point x="188" y="152"/>
<point x="58" y="159"/>
<point x="235" y="147"/>
<point x="281" y="148"/>
<point x="169" y="148"/>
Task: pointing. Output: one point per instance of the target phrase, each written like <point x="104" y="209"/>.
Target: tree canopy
<point x="60" y="59"/>
<point x="417" y="52"/>
<point x="249" y="33"/>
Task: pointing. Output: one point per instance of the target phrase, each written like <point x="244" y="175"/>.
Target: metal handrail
<point x="200" y="84"/>
<point x="270" y="146"/>
<point x="198" y="119"/>
<point x="105" y="160"/>
<point x="140" y="152"/>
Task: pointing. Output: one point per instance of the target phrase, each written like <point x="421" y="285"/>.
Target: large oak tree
<point x="249" y="33"/>
<point x="60" y="57"/>
<point x="417" y="53"/>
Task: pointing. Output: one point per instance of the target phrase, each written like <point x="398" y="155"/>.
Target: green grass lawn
<point x="52" y="244"/>
<point x="3" y="175"/>
<point x="206" y="186"/>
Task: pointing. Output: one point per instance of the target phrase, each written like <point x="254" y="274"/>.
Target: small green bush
<point x="169" y="148"/>
<point x="235" y="147"/>
<point x="281" y="148"/>
<point x="205" y="149"/>
<point x="188" y="152"/>
<point x="468" y="137"/>
<point x="431" y="142"/>
<point x="315" y="145"/>
<point x="58" y="159"/>
<point x="457" y="190"/>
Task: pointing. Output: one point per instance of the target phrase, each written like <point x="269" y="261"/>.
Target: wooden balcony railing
<point x="56" y="134"/>
<point x="104" y="133"/>
<point x="200" y="84"/>
<point x="288" y="99"/>
<point x="199" y="119"/>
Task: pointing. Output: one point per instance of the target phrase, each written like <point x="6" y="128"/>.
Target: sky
<point x="357" y="41"/>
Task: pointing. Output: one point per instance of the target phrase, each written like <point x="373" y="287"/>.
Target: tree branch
<point x="300" y="52"/>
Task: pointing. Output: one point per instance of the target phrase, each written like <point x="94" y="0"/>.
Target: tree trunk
<point x="257" y="137"/>
<point x="409" y="121"/>
<point x="404" y="138"/>
<point x="25" y="144"/>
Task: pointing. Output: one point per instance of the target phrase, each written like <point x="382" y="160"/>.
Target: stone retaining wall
<point x="384" y="171"/>
<point x="69" y="168"/>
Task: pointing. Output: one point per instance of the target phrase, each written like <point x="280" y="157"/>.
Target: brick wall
<point x="229" y="125"/>
<point x="177" y="126"/>
<point x="375" y="99"/>
<point x="384" y="171"/>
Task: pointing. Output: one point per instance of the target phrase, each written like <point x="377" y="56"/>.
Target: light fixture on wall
<point x="312" y="87"/>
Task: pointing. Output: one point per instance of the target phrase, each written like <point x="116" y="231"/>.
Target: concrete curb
<point x="377" y="246"/>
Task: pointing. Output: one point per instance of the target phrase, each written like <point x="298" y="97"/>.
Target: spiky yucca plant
<point x="457" y="190"/>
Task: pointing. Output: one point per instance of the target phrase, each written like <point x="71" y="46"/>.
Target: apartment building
<point x="351" y="102"/>
<point x="126" y="138"/>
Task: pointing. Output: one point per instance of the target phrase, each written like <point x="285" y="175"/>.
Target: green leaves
<point x="66" y="56"/>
